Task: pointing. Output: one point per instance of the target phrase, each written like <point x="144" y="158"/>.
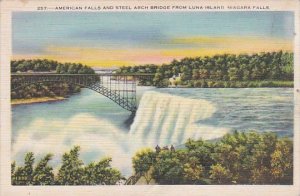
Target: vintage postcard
<point x="150" y="98"/>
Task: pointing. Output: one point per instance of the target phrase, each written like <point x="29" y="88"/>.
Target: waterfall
<point x="166" y="119"/>
<point x="161" y="119"/>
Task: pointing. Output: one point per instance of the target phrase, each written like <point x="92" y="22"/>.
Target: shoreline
<point x="226" y="87"/>
<point x="236" y="84"/>
<point x="36" y="100"/>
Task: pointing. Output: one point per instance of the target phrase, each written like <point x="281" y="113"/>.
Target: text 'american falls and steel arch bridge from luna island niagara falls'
<point x="120" y="88"/>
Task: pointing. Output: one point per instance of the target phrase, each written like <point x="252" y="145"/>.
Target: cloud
<point x="221" y="42"/>
<point x="178" y="48"/>
<point x="119" y="36"/>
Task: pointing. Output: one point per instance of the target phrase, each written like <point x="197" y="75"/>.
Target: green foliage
<point x="160" y="81"/>
<point x="240" y="84"/>
<point x="45" y="65"/>
<point x="13" y="167"/>
<point x="193" y="171"/>
<point x="19" y="177"/>
<point x="45" y="90"/>
<point x="282" y="162"/>
<point x="233" y="74"/>
<point x="42" y="174"/>
<point x="237" y="158"/>
<point x="71" y="172"/>
<point x="219" y="174"/>
<point x="243" y="69"/>
<point x="100" y="173"/>
<point x="168" y="168"/>
<point x="143" y="162"/>
<point x="28" y="168"/>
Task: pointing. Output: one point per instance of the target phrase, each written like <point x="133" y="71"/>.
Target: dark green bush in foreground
<point x="238" y="158"/>
<point x="71" y="172"/>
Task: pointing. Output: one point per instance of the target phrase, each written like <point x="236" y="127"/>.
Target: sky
<point x="113" y="39"/>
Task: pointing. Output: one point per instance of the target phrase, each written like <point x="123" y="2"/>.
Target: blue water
<point x="165" y="116"/>
<point x="261" y="109"/>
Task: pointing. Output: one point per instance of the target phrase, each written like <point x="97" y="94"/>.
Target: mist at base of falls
<point x="164" y="117"/>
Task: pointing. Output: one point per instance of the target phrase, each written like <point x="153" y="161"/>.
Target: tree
<point x="196" y="74"/>
<point x="143" y="162"/>
<point x="13" y="169"/>
<point x="186" y="73"/>
<point x="260" y="175"/>
<point x="233" y="74"/>
<point x="193" y="171"/>
<point x="101" y="173"/>
<point x="168" y="168"/>
<point x="21" y="67"/>
<point x="72" y="69"/>
<point x="282" y="162"/>
<point x="28" y="168"/>
<point x="59" y="68"/>
<point x="218" y="75"/>
<point x="19" y="177"/>
<point x="244" y="67"/>
<point x="158" y="79"/>
<point x="23" y="175"/>
<point x="203" y="74"/>
<point x="202" y="150"/>
<point x="43" y="174"/>
<point x="105" y="174"/>
<point x="71" y="171"/>
<point x="246" y="75"/>
<point x="288" y="66"/>
<point x="219" y="174"/>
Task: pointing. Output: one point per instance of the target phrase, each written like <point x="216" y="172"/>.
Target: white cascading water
<point x="161" y="119"/>
<point x="166" y="119"/>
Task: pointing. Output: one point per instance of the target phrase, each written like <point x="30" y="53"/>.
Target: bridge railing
<point x="121" y="88"/>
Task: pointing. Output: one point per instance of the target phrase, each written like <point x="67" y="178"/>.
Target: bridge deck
<point x="120" y="88"/>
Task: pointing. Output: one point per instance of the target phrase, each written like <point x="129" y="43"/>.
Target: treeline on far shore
<point x="236" y="158"/>
<point x="45" y="65"/>
<point x="57" y="89"/>
<point x="45" y="90"/>
<point x="268" y="69"/>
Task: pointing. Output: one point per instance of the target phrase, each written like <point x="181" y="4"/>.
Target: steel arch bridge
<point x="120" y="88"/>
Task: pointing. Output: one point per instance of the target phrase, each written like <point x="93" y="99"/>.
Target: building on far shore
<point x="175" y="80"/>
<point x="104" y="70"/>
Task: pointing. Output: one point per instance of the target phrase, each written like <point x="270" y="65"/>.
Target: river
<point x="164" y="117"/>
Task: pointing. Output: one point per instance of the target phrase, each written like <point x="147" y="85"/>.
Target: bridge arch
<point x="120" y="89"/>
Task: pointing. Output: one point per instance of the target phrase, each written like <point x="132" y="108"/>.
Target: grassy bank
<point x="36" y="100"/>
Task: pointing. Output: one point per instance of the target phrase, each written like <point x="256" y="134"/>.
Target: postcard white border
<point x="6" y="189"/>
